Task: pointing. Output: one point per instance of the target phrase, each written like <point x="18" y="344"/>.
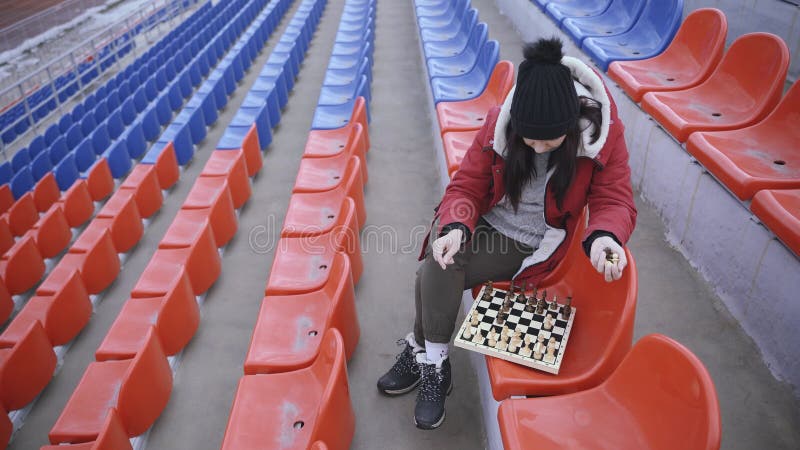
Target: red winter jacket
<point x="602" y="181"/>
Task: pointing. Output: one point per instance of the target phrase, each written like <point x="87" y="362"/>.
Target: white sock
<point x="435" y="353"/>
<point x="412" y="341"/>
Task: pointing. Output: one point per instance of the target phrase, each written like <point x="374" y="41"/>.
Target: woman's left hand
<point x="603" y="246"/>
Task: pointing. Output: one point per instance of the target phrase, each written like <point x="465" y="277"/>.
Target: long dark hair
<point x="520" y="168"/>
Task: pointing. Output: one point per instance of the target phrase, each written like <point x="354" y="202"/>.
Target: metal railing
<point x="49" y="88"/>
<point x="30" y="27"/>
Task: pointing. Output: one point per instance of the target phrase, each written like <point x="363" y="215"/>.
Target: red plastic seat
<point x="231" y="165"/>
<point x="78" y="204"/>
<point x="23" y="215"/>
<point x="100" y="181"/>
<point x="600" y="337"/>
<point x="320" y="405"/>
<point x="175" y="316"/>
<point x="22" y="266"/>
<point x="351" y="139"/>
<point x="143" y="183"/>
<point x="6" y="198"/>
<point x="167" y="167"/>
<point x="137" y="388"/>
<point x="6" y="303"/>
<point x="52" y="233"/>
<point x="469" y="114"/>
<point x="289" y="328"/>
<point x="660" y="397"/>
<point x="328" y="215"/>
<point x="763" y="156"/>
<point x="780" y="212"/>
<point x="211" y="197"/>
<point x="754" y="68"/>
<point x="46" y="192"/>
<point x="6" y="238"/>
<point x="325" y="174"/>
<point x="189" y="243"/>
<point x="63" y="314"/>
<point x="694" y="52"/>
<point x="252" y="151"/>
<point x="300" y="266"/>
<point x="456" y="144"/>
<point x="121" y="216"/>
<point x="25" y="368"/>
<point x="94" y="257"/>
<point x="112" y="436"/>
<point x="6" y="428"/>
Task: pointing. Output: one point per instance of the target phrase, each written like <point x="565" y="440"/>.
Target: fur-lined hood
<point x="587" y="84"/>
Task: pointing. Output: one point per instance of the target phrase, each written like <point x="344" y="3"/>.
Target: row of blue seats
<point x="101" y="114"/>
<point x="43" y="100"/>
<point x="349" y="73"/>
<point x="459" y="57"/>
<point x="617" y="30"/>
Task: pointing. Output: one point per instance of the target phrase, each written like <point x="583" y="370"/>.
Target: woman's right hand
<point x="445" y="247"/>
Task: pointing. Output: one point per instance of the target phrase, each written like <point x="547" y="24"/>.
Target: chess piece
<point x="521" y="297"/>
<point x="529" y="306"/>
<point x="540" y="306"/>
<point x="492" y="338"/>
<point x="475" y="320"/>
<point x="477" y="338"/>
<point x="554" y="304"/>
<point x="507" y="303"/>
<point x="487" y="291"/>
<point x="526" y="349"/>
<point x="528" y="339"/>
<point x="548" y="322"/>
<point x="538" y="352"/>
<point x="467" y="332"/>
<point x="611" y="257"/>
<point x="501" y="317"/>
<point x="566" y="310"/>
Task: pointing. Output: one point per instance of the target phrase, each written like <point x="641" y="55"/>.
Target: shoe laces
<point x="432" y="386"/>
<point x="406" y="361"/>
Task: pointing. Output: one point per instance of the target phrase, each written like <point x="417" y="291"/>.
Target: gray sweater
<point x="527" y="224"/>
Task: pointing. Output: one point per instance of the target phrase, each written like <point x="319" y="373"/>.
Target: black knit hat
<point x="545" y="103"/>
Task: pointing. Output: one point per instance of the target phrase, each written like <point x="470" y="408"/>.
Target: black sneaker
<point x="436" y="385"/>
<point x="404" y="376"/>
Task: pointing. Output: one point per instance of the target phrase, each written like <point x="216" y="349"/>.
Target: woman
<point x="553" y="147"/>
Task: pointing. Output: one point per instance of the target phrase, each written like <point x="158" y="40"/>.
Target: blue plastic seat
<point x="100" y="139"/>
<point x="441" y="11"/>
<point x="560" y="10"/>
<point x="194" y="74"/>
<point x="128" y="112"/>
<point x="459" y="30"/>
<point x="20" y="159"/>
<point x="89" y="102"/>
<point x="327" y="117"/>
<point x="41" y="165"/>
<point x="58" y="149"/>
<point x="84" y="155"/>
<point x="112" y="101"/>
<point x="181" y="140"/>
<point x="273" y="78"/>
<point x="101" y="111"/>
<point x="259" y="116"/>
<point x="74" y="136"/>
<point x="135" y="141"/>
<point x="37" y="145"/>
<point x="457" y="45"/>
<point x="169" y="70"/>
<point x="233" y="137"/>
<point x="140" y="101"/>
<point x="119" y="160"/>
<point x="115" y="125"/>
<point x="64" y="123"/>
<point x="78" y="112"/>
<point x="185" y="84"/>
<point x="150" y="90"/>
<point x="6" y="172"/>
<point x="51" y="134"/>
<point x="66" y="172"/>
<point x="22" y="182"/>
<point x="174" y="97"/>
<point x="617" y="19"/>
<point x="648" y="37"/>
<point x="124" y="90"/>
<point x="88" y="124"/>
<point x="163" y="111"/>
<point x="161" y="79"/>
<point x="460" y="64"/>
<point x="197" y="125"/>
<point x="469" y="85"/>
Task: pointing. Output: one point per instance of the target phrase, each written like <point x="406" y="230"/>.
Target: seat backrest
<point x="477" y="37"/>
<point x="669" y="392"/>
<point x="662" y="17"/>
<point x="335" y="421"/>
<point x="488" y="56"/>
<point x="501" y="81"/>
<point x="339" y="277"/>
<point x="468" y="22"/>
<point x="180" y="306"/>
<point x="789" y="108"/>
<point x="758" y="62"/>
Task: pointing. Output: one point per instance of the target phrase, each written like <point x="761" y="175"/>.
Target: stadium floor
<point x="757" y="410"/>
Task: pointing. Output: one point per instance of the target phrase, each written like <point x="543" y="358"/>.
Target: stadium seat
<point x="211" y="197"/>
<point x="469" y="114"/>
<point x="164" y="160"/>
<point x="456" y="144"/>
<point x="118" y="159"/>
<point x="351" y="139"/>
<point x="333" y="116"/>
<point x="84" y="155"/>
<point x="20" y="159"/>
<point x="731" y="156"/>
<point x="121" y="217"/>
<point x="779" y="210"/>
<point x="457" y="45"/>
<point x="112" y="436"/>
<point x="46" y="192"/>
<point x="453" y="66"/>
<point x="78" y="204"/>
<point x="6" y="238"/>
<point x="137" y="388"/>
<point x="441" y="11"/>
<point x="135" y="141"/>
<point x="455" y="32"/>
<point x="94" y="256"/>
<point x="289" y="328"/>
<point x="22" y="182"/>
<point x="648" y="37"/>
<point x="754" y="67"/>
<point x="470" y="84"/>
<point x="595" y="348"/>
<point x="230" y="165"/>
<point x="660" y="387"/>
<point x="6" y="172"/>
<point x="74" y="136"/>
<point x="335" y="172"/>
<point x="560" y="10"/>
<point x="189" y="243"/>
<point x="319" y="394"/>
<point x="6" y="303"/>
<point x="52" y="233"/>
<point x="25" y="368"/>
<point x="143" y="183"/>
<point x="618" y="18"/>
<point x="66" y="172"/>
<point x="175" y="316"/>
<point x="63" y="313"/>
<point x="23" y="215"/>
<point x="100" y="180"/>
<point x="22" y="266"/>
<point x="688" y="60"/>
<point x="41" y="165"/>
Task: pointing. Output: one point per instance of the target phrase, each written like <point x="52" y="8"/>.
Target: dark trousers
<point x="489" y="255"/>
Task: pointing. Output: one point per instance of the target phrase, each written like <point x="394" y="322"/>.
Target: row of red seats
<point x="131" y="379"/>
<point x="726" y="107"/>
<point x="308" y="324"/>
<point x="61" y="306"/>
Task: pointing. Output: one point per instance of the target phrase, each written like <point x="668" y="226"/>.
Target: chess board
<point x="527" y="323"/>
